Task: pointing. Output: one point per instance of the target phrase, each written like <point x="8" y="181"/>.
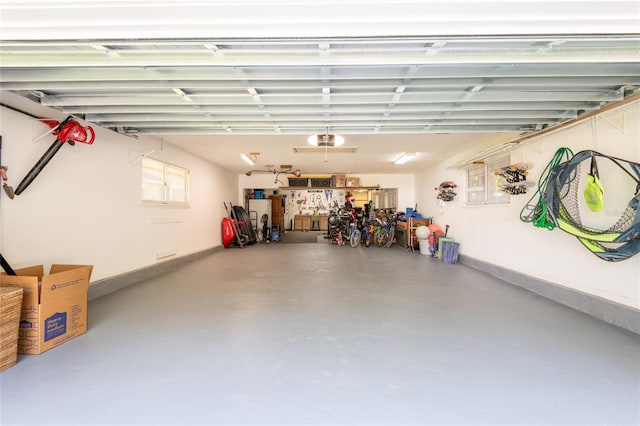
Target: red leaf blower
<point x="69" y="131"/>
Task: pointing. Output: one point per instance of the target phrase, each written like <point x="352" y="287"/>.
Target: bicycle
<point x="368" y="231"/>
<point x="338" y="230"/>
<point x="391" y="231"/>
<point x="385" y="229"/>
<point x="381" y="233"/>
<point x="354" y="234"/>
<point x="344" y="227"/>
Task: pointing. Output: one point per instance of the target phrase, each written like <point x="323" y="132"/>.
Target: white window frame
<point x="481" y="188"/>
<point x="171" y="183"/>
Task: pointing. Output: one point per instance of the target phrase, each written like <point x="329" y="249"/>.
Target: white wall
<point x="496" y="234"/>
<point x="404" y="182"/>
<point x="264" y="181"/>
<point x="85" y="207"/>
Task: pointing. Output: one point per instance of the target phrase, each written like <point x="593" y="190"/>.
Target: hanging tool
<point x="7" y="189"/>
<point x="3" y="175"/>
<point x="5" y="265"/>
<point x="69" y="131"/>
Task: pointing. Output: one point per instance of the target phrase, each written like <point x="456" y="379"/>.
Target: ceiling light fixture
<point x="404" y="158"/>
<point x="250" y="158"/>
<point x="325" y="140"/>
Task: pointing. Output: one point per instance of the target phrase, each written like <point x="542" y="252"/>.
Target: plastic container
<point x="275" y="233"/>
<point x="299" y="182"/>
<point x="320" y="182"/>
<point x="424" y="247"/>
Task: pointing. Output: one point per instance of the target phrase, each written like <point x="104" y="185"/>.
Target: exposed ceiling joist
<point x="359" y="67"/>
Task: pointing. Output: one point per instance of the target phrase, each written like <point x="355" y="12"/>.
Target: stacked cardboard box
<point x="338" y="181"/>
<point x="353" y="182"/>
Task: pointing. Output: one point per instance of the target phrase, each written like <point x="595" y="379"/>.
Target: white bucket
<point x="424" y="247"/>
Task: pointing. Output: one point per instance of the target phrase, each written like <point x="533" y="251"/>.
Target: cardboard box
<point x="353" y="182"/>
<point x="338" y="181"/>
<point x="54" y="306"/>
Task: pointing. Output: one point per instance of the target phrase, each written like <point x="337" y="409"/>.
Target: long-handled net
<point x="537" y="213"/>
<point x="558" y="206"/>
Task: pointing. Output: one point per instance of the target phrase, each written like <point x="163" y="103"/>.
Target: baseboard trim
<point x="613" y="313"/>
<point x="109" y="285"/>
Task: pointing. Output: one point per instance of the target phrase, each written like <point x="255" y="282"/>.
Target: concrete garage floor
<point x="296" y="334"/>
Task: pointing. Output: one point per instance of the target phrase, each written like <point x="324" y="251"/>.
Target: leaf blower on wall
<point x="69" y="131"/>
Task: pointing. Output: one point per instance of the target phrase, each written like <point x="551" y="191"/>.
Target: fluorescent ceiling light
<point x="325" y="140"/>
<point x="405" y="157"/>
<point x="248" y="159"/>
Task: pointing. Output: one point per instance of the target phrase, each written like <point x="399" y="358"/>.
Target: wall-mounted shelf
<point x="407" y="231"/>
<point x="308" y="200"/>
<point x="350" y="188"/>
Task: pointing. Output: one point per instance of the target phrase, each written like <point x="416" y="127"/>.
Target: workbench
<point x="315" y="222"/>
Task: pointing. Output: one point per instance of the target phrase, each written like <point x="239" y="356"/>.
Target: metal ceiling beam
<point x="336" y="123"/>
<point x="575" y="82"/>
<point x="268" y="129"/>
<point x="251" y="116"/>
<point x="165" y="58"/>
<point x="323" y="44"/>
<point x="344" y="99"/>
<point x="411" y="107"/>
<point x="290" y="73"/>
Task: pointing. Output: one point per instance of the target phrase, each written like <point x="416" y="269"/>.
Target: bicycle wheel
<point x="334" y="236"/>
<point x="354" y="240"/>
<point x="392" y="237"/>
<point x="382" y="235"/>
